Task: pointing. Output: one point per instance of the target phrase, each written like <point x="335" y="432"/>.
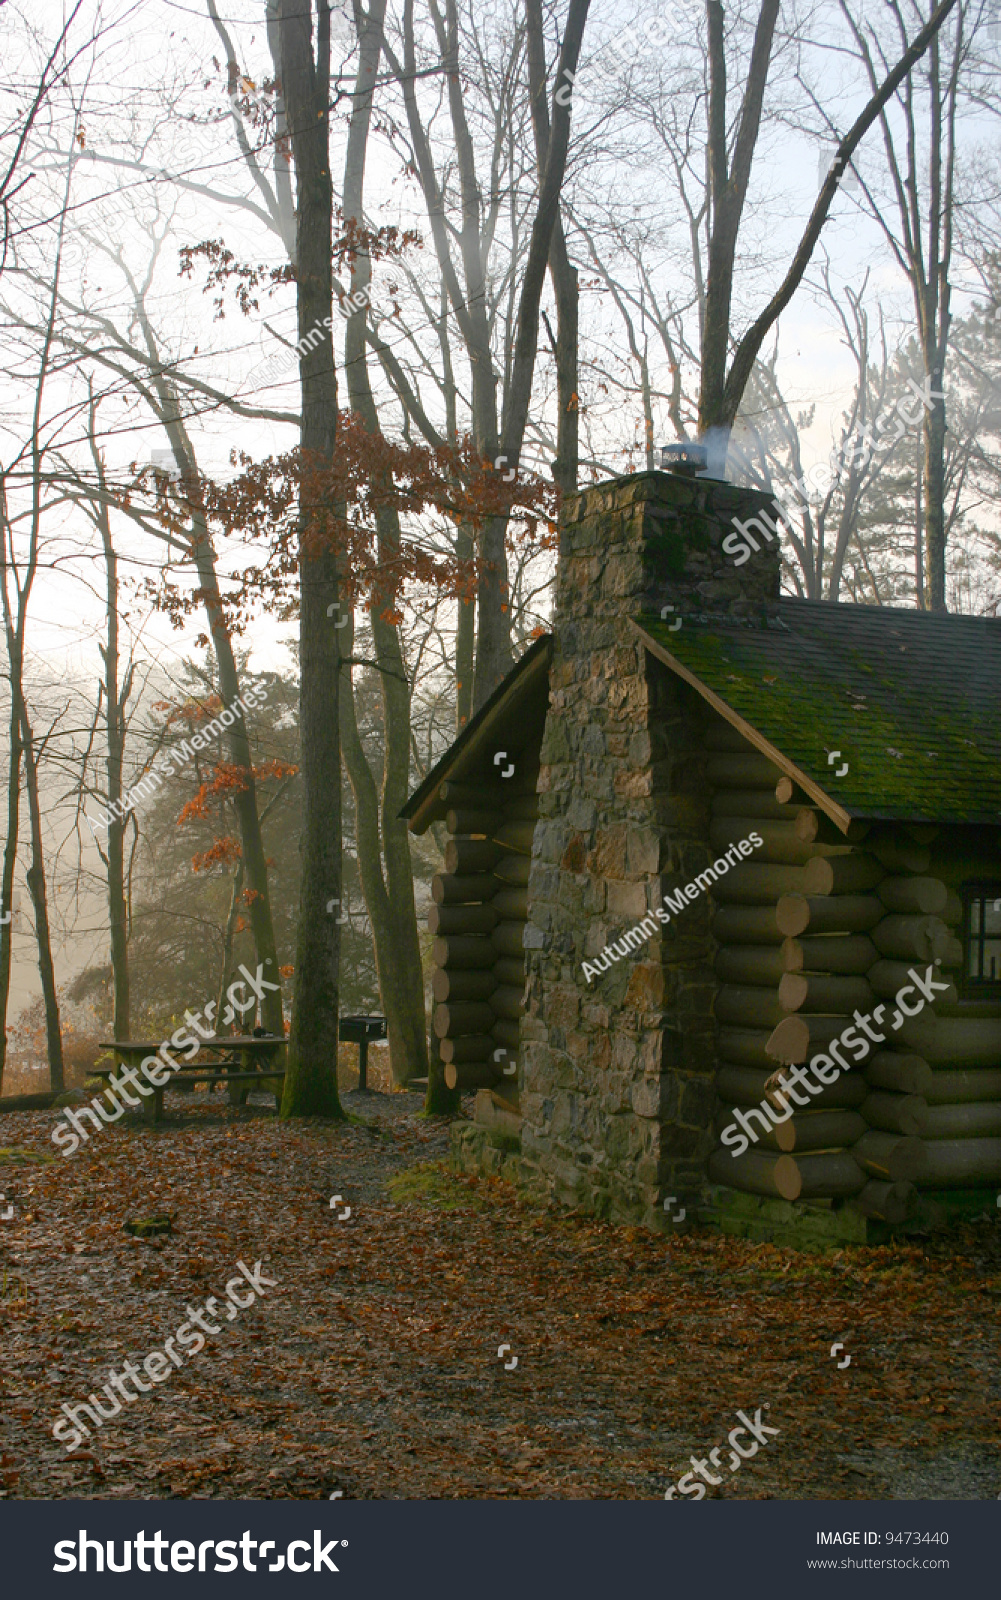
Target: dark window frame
<point x="978" y="890"/>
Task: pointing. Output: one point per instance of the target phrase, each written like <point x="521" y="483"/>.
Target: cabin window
<point x="982" y="938"/>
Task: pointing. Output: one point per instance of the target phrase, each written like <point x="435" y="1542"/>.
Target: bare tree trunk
<point x="924" y="252"/>
<point x="116" y="700"/>
<point x="465" y="549"/>
<point x="493" y="613"/>
<point x="394" y="925"/>
<point x="468" y="298"/>
<point x="721" y="392"/>
<point x="934" y="498"/>
<point x="562" y="274"/>
<point x="493" y="654"/>
<point x="567" y="463"/>
<point x="933" y="295"/>
<point x="383" y="843"/>
<point x="245" y="799"/>
<point x="226" y="965"/>
<point x="311" y="1072"/>
<point x="465" y="640"/>
<point x="9" y="863"/>
<point x="226" y="968"/>
<point x="158" y="389"/>
<point x="238" y="739"/>
<point x="15" y="622"/>
<point x="493" y="642"/>
<point x="117" y="907"/>
<point x="919" y="518"/>
<point x="35" y="876"/>
<point x="728" y="192"/>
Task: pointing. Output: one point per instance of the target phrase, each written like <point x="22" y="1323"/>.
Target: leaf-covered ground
<point x="372" y="1367"/>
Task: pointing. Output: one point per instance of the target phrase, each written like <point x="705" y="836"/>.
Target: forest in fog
<point x="545" y="243"/>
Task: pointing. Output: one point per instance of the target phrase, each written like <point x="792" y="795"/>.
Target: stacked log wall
<point x="938" y="1077"/>
<point x="790" y="980"/>
<point x="799" y="955"/>
<point x="478" y="921"/>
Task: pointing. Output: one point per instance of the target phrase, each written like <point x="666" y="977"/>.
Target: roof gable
<point x="512" y="718"/>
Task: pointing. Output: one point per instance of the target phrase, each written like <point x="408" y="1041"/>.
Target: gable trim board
<point x="463" y="760"/>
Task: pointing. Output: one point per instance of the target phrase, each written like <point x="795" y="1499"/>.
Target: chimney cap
<point x="687" y="460"/>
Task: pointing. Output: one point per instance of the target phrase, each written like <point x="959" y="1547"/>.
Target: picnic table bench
<point x="239" y="1061"/>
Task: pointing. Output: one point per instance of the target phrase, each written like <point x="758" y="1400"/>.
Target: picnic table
<point x="359" y="1031"/>
<point x="238" y="1060"/>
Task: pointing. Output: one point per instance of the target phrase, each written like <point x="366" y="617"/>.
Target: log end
<point x="789" y="1042"/>
<point x="886" y="1202"/>
<point x="792" y="955"/>
<point x="793" y="990"/>
<point x="818" y="877"/>
<point x="807" y="825"/>
<point x="788" y="1180"/>
<point x="792" y="915"/>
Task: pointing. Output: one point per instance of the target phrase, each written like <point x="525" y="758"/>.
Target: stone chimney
<point x="618" y="1094"/>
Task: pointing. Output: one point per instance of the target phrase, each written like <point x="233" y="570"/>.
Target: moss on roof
<point x="910" y="700"/>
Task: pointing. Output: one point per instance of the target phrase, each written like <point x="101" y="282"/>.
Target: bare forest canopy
<point x="312" y="320"/>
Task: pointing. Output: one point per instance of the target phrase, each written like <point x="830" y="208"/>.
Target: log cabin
<point x="680" y="702"/>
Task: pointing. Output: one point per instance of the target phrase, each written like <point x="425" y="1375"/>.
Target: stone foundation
<point x="476" y="1149"/>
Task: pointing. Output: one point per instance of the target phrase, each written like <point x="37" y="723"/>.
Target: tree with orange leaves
<point x="319" y="512"/>
<point x="423" y="488"/>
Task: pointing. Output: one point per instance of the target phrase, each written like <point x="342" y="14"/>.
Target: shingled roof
<point x="909" y="699"/>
